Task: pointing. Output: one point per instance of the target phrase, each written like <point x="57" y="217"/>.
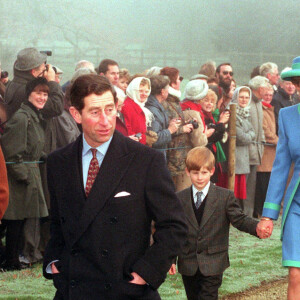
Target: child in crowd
<point x="124" y="78"/>
<point x="209" y="212"/>
<point x="245" y="135"/>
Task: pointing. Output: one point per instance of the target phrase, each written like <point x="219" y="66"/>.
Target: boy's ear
<point x="212" y="171"/>
<point x="187" y="172"/>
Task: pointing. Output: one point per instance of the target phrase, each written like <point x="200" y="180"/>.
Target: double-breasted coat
<point x="22" y="143"/>
<point x="207" y="244"/>
<point x="101" y="239"/>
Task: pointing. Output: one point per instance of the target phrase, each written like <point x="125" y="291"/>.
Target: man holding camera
<point x="30" y="64"/>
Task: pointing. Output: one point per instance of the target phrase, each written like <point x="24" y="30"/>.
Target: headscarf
<point x="132" y="92"/>
<point x="240" y="111"/>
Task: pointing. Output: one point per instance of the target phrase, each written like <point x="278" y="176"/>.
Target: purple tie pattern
<point x="92" y="173"/>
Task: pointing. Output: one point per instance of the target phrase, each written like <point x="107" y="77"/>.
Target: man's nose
<point x="103" y="119"/>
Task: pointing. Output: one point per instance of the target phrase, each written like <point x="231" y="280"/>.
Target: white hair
<point x="258" y="81"/>
<point x="85" y="64"/>
<point x="267" y="68"/>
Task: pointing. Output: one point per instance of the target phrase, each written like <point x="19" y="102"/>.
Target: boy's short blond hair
<point x="200" y="157"/>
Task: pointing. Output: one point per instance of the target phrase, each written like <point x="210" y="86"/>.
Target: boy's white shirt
<point x="204" y="192"/>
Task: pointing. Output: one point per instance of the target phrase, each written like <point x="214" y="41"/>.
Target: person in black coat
<point x="99" y="245"/>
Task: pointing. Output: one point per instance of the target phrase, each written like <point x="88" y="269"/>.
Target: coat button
<point x="74" y="251"/>
<point x="113" y="220"/>
<point x="104" y="252"/>
<point x="107" y="286"/>
<point x="73" y="283"/>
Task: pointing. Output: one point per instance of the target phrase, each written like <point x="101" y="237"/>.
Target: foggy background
<point x="139" y="34"/>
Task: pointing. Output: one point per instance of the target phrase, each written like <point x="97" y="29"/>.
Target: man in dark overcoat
<point x="100" y="225"/>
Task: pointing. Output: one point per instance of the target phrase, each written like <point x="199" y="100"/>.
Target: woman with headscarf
<point x="136" y="116"/>
<point x="245" y="135"/>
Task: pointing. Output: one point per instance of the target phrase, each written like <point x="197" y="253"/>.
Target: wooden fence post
<point x="231" y="147"/>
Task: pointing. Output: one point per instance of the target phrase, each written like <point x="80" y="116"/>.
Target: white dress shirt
<point x="204" y="192"/>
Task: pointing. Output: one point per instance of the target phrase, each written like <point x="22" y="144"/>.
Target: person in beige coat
<point x="265" y="168"/>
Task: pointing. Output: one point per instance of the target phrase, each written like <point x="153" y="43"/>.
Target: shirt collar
<point x="102" y="148"/>
<point x="204" y="190"/>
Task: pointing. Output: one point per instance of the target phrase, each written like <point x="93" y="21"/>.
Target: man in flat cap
<point x="30" y="64"/>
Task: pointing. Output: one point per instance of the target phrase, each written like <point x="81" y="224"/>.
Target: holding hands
<point x="264" y="228"/>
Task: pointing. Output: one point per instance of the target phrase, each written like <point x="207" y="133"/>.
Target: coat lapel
<point x="210" y="205"/>
<point x="113" y="168"/>
<point x="188" y="208"/>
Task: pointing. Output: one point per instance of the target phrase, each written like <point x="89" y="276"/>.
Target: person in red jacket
<point x="136" y="116"/>
<point x="4" y="192"/>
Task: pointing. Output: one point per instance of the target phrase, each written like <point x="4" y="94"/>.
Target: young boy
<point x="209" y="211"/>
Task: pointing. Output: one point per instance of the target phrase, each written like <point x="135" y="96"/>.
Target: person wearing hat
<point x="29" y="65"/>
<point x="23" y="141"/>
<point x="195" y="90"/>
<point x="287" y="152"/>
<point x="203" y="100"/>
<point x="285" y="96"/>
<point x="58" y="73"/>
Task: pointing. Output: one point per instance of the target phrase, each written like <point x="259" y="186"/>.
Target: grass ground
<point x="252" y="261"/>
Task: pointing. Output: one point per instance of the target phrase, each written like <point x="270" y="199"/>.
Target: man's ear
<point x="187" y="172"/>
<point x="212" y="171"/>
<point x="75" y="114"/>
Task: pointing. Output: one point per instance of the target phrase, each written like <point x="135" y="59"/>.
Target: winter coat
<point x="134" y="118"/>
<point x="256" y="149"/>
<point x="245" y="134"/>
<point x="197" y="137"/>
<point x="176" y="157"/>
<point x="23" y="141"/>
<point x="15" y="95"/>
<point x="282" y="99"/>
<point x="160" y="123"/>
<point x="269" y="127"/>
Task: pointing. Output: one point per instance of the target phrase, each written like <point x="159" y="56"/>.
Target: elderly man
<point x="257" y="85"/>
<point x="270" y="71"/>
<point x="81" y="64"/>
<point x="105" y="191"/>
<point x="285" y="96"/>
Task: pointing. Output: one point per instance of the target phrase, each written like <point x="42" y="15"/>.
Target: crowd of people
<point x="36" y="119"/>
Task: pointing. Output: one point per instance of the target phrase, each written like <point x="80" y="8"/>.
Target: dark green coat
<point x="23" y="141"/>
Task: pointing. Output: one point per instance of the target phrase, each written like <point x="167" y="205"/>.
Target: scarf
<point x="268" y="105"/>
<point x="243" y="113"/>
<point x="174" y="92"/>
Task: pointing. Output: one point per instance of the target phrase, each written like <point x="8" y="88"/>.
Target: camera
<point x="194" y="123"/>
<point x="211" y="125"/>
<point x="47" y="52"/>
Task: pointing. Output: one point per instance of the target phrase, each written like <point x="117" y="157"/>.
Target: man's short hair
<point x="158" y="82"/>
<point x="103" y="66"/>
<point x="88" y="84"/>
<point x="200" y="157"/>
<point x="258" y="81"/>
<point x="267" y="68"/>
<point x="84" y="64"/>
<point x="218" y="69"/>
